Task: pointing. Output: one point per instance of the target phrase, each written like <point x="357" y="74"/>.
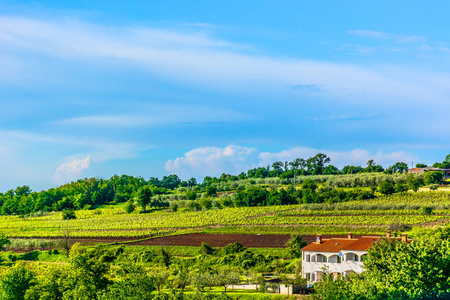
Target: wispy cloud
<point x="370" y="34"/>
<point x="200" y="24"/>
<point x="389" y="36"/>
<point x="197" y="59"/>
<point x="309" y="88"/>
<point x="350" y="117"/>
<point x="154" y="115"/>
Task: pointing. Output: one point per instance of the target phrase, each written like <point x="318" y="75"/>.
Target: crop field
<point x="113" y="222"/>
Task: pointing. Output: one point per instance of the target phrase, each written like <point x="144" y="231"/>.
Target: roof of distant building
<point x="412" y="170"/>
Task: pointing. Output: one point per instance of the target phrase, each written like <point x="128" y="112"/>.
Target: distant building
<point x="427" y="169"/>
<point x="339" y="256"/>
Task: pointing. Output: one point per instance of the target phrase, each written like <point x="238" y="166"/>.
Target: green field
<point x="363" y="216"/>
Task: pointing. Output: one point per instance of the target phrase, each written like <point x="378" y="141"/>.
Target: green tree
<point x="433" y="177"/>
<point x="386" y="187"/>
<point x="15" y="282"/>
<point x="401" y="187"/>
<point x="226" y="277"/>
<point x="170" y="182"/>
<point x="398" y="167"/>
<point x="414" y="182"/>
<point x="295" y="244"/>
<point x="4" y="240"/>
<point x="211" y="191"/>
<point x="278" y="167"/>
<point x="309" y="184"/>
<point x="398" y="270"/>
<point x="160" y="278"/>
<point x="352" y="169"/>
<point x="191" y="195"/>
<point x="51" y="286"/>
<point x="192" y="182"/>
<point x="144" y="196"/>
<point x="298" y="164"/>
<point x="200" y="280"/>
<point x="372" y="167"/>
<point x="194" y="206"/>
<point x="330" y="170"/>
<point x="316" y="164"/>
<point x="331" y="288"/>
<point x="205" y="202"/>
<point x="133" y="283"/>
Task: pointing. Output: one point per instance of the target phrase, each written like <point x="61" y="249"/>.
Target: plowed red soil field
<point x="215" y="240"/>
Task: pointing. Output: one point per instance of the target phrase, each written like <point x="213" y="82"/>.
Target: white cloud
<point x="71" y="171"/>
<point x="197" y="59"/>
<point x="339" y="158"/>
<point x="213" y="161"/>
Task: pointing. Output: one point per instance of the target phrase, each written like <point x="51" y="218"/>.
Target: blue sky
<point x="149" y="88"/>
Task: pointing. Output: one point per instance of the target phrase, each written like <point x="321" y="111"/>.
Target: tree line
<point x="92" y="192"/>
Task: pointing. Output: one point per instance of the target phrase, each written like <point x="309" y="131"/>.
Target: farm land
<point x="173" y="228"/>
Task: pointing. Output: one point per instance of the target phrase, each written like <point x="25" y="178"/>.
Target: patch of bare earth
<point x="215" y="240"/>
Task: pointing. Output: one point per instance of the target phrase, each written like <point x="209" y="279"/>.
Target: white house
<point x="339" y="256"/>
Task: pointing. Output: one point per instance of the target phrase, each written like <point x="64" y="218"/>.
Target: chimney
<point x="388" y="234"/>
<point x="318" y="239"/>
<point x="350" y="236"/>
<point x="404" y="237"/>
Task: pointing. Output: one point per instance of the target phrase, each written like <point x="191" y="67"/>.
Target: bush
<point x="434" y="187"/>
<point x="206" y="202"/>
<point x="69" y="215"/>
<point x="206" y="249"/>
<point x="191" y="195"/>
<point x="194" y="206"/>
<point x="211" y="191"/>
<point x="129" y="207"/>
<point x="386" y="187"/>
<point x="174" y="207"/>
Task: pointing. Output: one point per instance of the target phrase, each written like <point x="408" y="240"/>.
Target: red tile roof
<point x="331" y="245"/>
<point x="362" y="244"/>
<point x="336" y="245"/>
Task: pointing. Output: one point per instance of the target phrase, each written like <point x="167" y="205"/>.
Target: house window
<point x="308" y="258"/>
<point x="308" y="276"/>
<point x="321" y="258"/>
